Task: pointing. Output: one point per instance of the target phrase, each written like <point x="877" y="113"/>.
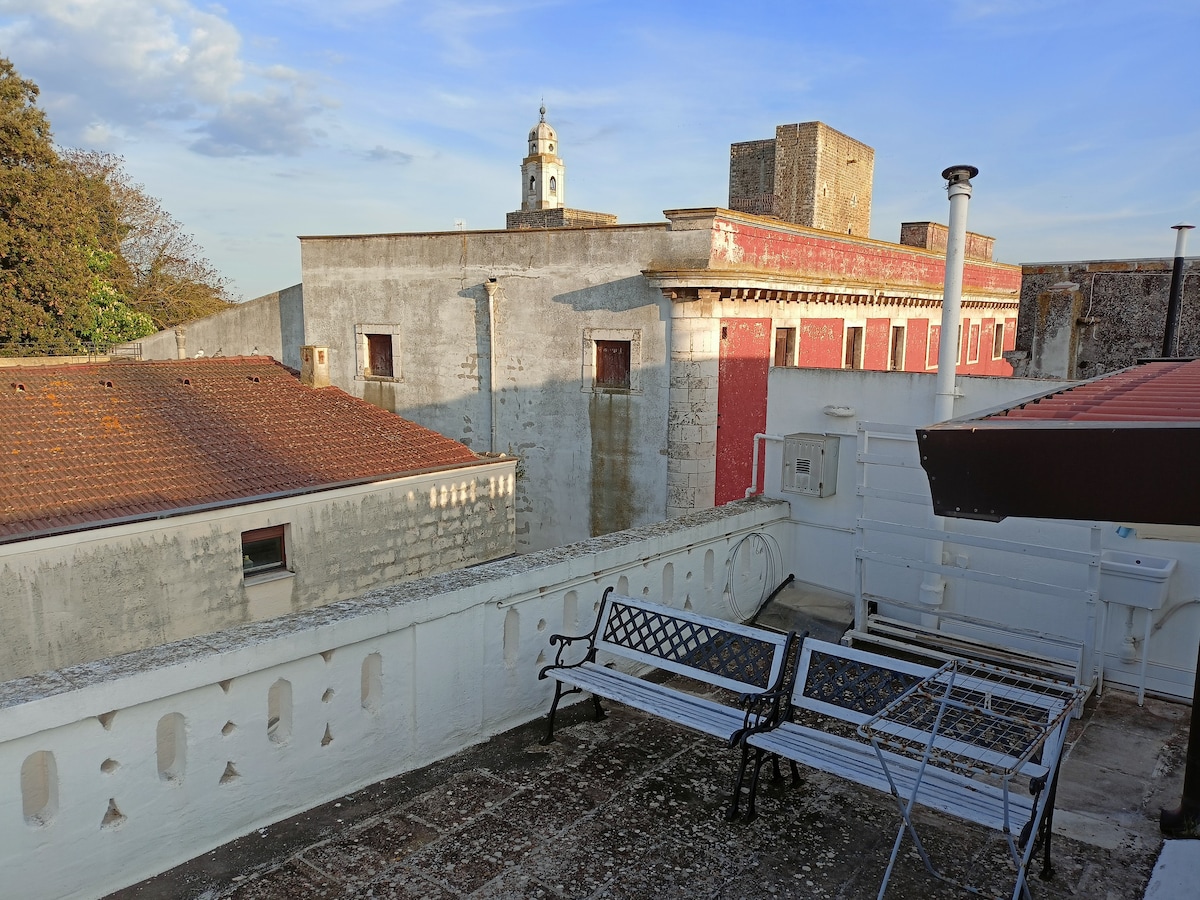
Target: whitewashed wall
<point x="120" y="769"/>
<point x="825" y="535"/>
<point x="77" y="597"/>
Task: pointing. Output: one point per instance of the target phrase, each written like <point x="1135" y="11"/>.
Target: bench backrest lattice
<point x="850" y="684"/>
<point x="733" y="656"/>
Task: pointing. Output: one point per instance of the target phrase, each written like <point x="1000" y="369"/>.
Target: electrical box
<point x="810" y="464"/>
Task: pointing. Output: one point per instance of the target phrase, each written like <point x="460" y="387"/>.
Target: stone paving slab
<point x="631" y="807"/>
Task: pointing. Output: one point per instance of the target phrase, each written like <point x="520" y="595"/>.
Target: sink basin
<point x="1134" y="579"/>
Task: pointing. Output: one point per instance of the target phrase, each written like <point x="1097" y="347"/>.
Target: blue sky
<point x="261" y="120"/>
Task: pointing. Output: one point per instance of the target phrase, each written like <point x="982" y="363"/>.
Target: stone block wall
<point x="935" y="236"/>
<point x="809" y="174"/>
<point x="561" y="217"/>
<point x="752" y="177"/>
<point x="1083" y="319"/>
<point x="692" y="406"/>
<point x="176" y="578"/>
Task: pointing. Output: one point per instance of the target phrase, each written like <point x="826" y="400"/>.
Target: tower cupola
<point x="542" y="171"/>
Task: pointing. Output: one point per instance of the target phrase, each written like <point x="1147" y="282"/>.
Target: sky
<point x="261" y="120"/>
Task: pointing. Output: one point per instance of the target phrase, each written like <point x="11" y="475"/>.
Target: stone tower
<point x="809" y="174"/>
<point x="542" y="170"/>
<point x="542" y="187"/>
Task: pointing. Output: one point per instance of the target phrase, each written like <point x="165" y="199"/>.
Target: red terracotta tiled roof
<point x="1164" y="391"/>
<point x="83" y="444"/>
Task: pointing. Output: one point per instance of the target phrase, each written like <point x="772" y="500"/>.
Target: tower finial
<point x="543" y="109"/>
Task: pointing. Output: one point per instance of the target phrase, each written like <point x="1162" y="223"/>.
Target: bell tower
<point x="542" y="170"/>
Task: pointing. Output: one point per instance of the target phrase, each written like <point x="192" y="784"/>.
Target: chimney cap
<point x="957" y="174"/>
<point x="1183" y="226"/>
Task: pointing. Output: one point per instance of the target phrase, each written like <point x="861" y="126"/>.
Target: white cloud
<point x="113" y="67"/>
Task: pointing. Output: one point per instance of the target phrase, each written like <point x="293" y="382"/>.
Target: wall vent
<point x="810" y="463"/>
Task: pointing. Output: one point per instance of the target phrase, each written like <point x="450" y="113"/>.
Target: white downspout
<point x="490" y="286"/>
<point x="958" y="187"/>
<point x="754" y="462"/>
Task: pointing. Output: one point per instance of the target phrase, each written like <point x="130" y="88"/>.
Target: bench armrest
<point x="565" y="640"/>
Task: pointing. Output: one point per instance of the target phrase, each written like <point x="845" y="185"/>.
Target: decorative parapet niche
<point x="214" y="737"/>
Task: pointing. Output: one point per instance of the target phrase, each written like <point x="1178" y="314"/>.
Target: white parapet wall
<point x="119" y="769"/>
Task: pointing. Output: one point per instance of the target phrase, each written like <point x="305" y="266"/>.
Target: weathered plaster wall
<point x="596" y="461"/>
<point x="270" y="325"/>
<point x="85" y="595"/>
<point x="1108" y="315"/>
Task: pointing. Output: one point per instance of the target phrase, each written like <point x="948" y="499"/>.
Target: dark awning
<point x="1124" y="447"/>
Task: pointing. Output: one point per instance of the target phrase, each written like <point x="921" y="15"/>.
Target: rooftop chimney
<point x="314" y="366"/>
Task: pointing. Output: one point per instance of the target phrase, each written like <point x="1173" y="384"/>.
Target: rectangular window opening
<point x="896" y="351"/>
<point x="263" y="550"/>
<point x="785" y="346"/>
<point x="973" y="344"/>
<point x="612" y="364"/>
<point x="854" y="347"/>
<point x="379" y="356"/>
<point x="998" y="341"/>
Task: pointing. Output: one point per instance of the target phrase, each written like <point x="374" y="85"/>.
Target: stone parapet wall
<point x="935" y="236"/>
<point x="120" y="769"/>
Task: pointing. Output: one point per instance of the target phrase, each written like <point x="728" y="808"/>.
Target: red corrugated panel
<point x="1158" y="391"/>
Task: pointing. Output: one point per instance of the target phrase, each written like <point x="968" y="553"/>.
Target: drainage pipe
<point x="1170" y="347"/>
<point x="490" y="286"/>
<point x="753" y="489"/>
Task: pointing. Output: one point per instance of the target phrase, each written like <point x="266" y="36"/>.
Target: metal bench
<point x="737" y="658"/>
<point x="847" y="717"/>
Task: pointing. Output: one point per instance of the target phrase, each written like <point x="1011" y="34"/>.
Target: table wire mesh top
<point x="974" y="717"/>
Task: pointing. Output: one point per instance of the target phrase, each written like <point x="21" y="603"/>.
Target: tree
<point x="86" y="256"/>
<point x="170" y="280"/>
<point x="45" y="222"/>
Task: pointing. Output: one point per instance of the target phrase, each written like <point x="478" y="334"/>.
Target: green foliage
<point x="85" y="254"/>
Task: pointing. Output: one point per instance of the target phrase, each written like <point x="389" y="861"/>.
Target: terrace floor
<point x="631" y="807"/>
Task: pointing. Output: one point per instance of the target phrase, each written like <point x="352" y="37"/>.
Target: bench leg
<point x="559" y="693"/>
<point x="599" y="710"/>
<point x="737" y="786"/>
<point x="759" y="759"/>
<point x="1047" y="829"/>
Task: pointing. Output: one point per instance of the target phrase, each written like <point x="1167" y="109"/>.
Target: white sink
<point x="1134" y="579"/>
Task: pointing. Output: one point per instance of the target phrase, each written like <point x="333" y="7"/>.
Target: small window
<point x="263" y="550"/>
<point x="973" y="344"/>
<point x="612" y="364"/>
<point x="896" y="350"/>
<point x="854" y="347"/>
<point x="998" y="341"/>
<point x="553" y="185"/>
<point x="933" y="347"/>
<point x="532" y="183"/>
<point x="785" y="346"/>
<point x="551" y="149"/>
<point x="379" y="355"/>
<point x="378" y="351"/>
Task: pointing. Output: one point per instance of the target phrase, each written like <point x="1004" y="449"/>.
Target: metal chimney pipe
<point x="958" y="186"/>
<point x="1170" y="347"/>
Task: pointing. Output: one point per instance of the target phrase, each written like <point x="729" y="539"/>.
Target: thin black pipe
<point x="1170" y="347"/>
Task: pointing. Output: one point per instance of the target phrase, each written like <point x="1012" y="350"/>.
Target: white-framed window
<point x="973" y="343"/>
<point x="998" y="340"/>
<point x="612" y="360"/>
<point x="932" y="345"/>
<point x="377" y="352"/>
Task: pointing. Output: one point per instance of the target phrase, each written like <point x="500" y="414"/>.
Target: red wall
<point x="745" y="358"/>
<point x="821" y="343"/>
<point x="745" y="245"/>
<point x="878" y="339"/>
<point x="916" y="338"/>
